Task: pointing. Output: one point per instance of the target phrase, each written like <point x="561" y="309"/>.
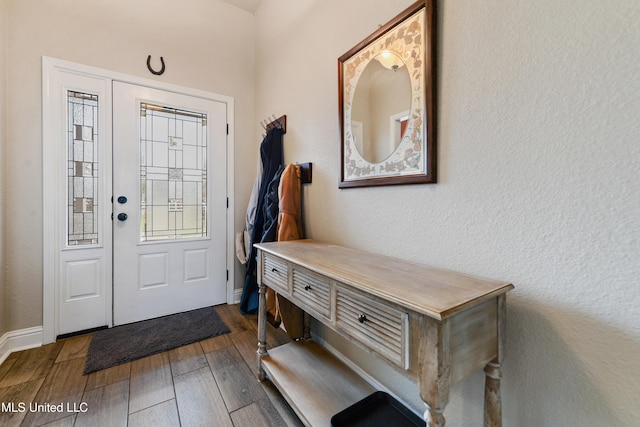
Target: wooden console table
<point x="432" y="325"/>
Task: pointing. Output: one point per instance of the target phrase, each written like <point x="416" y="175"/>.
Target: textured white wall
<point x="538" y="155"/>
<point x="3" y="122"/>
<point x="207" y="45"/>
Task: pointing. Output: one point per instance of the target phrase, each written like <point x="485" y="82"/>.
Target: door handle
<point x="122" y="200"/>
<point x="122" y="216"/>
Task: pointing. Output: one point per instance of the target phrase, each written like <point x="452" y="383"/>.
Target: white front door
<point x="169" y="202"/>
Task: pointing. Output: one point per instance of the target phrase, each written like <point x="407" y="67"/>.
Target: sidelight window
<point x="82" y="169"/>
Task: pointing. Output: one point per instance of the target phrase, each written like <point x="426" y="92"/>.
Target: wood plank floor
<point x="208" y="383"/>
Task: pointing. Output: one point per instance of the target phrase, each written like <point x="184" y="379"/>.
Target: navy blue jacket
<point x="272" y="156"/>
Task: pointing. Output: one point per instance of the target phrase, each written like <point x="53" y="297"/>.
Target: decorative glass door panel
<point x="173" y="173"/>
<point x="82" y="169"/>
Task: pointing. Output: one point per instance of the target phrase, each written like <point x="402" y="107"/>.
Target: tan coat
<point x="290" y="228"/>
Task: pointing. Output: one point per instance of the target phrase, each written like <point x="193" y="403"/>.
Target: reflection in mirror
<point x="380" y="109"/>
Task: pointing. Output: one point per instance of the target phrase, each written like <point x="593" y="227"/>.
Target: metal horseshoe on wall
<point x="157" y="73"/>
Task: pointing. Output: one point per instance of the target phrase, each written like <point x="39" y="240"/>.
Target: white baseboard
<point x="237" y="295"/>
<point x="20" y="340"/>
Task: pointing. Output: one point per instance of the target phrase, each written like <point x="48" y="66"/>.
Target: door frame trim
<point x="50" y="143"/>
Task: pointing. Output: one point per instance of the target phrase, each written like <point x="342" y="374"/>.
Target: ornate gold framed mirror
<point x="387" y="103"/>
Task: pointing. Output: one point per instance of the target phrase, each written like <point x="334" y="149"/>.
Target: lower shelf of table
<point x="314" y="382"/>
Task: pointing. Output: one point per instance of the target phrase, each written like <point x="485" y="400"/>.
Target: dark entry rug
<point x="121" y="344"/>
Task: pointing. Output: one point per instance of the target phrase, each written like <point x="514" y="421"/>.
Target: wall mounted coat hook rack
<point x="306" y="170"/>
<point x="273" y="122"/>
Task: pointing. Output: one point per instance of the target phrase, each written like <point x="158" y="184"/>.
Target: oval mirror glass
<point x="381" y="105"/>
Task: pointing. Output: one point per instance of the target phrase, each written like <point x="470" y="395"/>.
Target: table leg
<point x="307" y="326"/>
<point x="434" y="417"/>
<point x="262" y="329"/>
<point x="493" y="373"/>
<point x="492" y="399"/>
<point x="435" y="369"/>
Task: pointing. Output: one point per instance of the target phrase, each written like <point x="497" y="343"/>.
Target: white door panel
<point x="170" y="164"/>
<point x="83" y="190"/>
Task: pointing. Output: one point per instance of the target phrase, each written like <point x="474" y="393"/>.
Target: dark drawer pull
<point x="275" y="270"/>
<point x="362" y="318"/>
<point x="307" y="287"/>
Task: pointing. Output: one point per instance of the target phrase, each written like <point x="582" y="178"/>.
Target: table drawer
<point x="311" y="290"/>
<point x="377" y="326"/>
<point x="275" y="272"/>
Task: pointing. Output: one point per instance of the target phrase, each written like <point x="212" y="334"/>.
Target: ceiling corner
<point x="248" y="5"/>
